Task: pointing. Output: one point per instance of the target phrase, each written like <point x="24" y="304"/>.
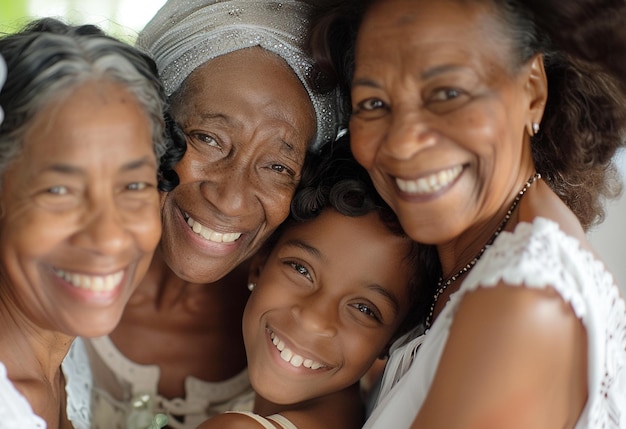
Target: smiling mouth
<point x="93" y="283"/>
<point x="294" y="359"/>
<point x="430" y="184"/>
<point x="210" y="235"/>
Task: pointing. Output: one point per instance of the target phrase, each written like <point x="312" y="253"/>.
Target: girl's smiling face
<point x="328" y="299"/>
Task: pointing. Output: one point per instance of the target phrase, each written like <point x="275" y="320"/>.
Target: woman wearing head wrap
<point x="245" y="97"/>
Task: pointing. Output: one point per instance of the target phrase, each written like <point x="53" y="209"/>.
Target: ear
<point x="537" y="89"/>
<point x="257" y="262"/>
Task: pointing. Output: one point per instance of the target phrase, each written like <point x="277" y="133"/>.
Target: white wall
<point x="609" y="238"/>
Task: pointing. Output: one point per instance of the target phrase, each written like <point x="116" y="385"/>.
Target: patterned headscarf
<point x="184" y="34"/>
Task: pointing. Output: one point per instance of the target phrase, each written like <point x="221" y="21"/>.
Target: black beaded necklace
<point x="442" y="286"/>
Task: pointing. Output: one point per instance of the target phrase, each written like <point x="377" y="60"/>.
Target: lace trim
<point x="78" y="385"/>
<point x="138" y="382"/>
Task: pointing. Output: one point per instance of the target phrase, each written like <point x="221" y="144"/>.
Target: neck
<point x="29" y="352"/>
<point x="469" y="246"/>
<point x="344" y="408"/>
<point x="164" y="290"/>
<point x="455" y="267"/>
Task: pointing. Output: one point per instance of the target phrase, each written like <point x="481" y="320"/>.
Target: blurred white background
<point x="121" y="18"/>
<point x="609" y="238"/>
<point x="124" y="18"/>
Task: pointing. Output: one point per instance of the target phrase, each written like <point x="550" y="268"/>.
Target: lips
<point x="429" y="184"/>
<point x="92" y="283"/>
<point x="209" y="234"/>
<point x="293" y="358"/>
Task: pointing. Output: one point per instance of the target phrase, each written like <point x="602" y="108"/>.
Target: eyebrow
<point x="439" y="70"/>
<point x="393" y="300"/>
<point x="208" y="115"/>
<point x="79" y="171"/>
<point x="427" y="74"/>
<point x="304" y="246"/>
<point x="230" y="121"/>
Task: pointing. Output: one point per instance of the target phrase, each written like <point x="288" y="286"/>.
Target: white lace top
<point x="536" y="255"/>
<point x="16" y="412"/>
<point x="125" y="393"/>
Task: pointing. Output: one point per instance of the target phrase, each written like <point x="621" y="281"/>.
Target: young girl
<point x="330" y="291"/>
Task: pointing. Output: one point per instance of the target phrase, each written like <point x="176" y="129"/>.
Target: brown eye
<point x="300" y="269"/>
<point x="367" y="310"/>
<point x="137" y="186"/>
<point x="446" y="94"/>
<point x="58" y="190"/>
<point x="371" y="104"/>
<point x="279" y="168"/>
<point x="206" y="139"/>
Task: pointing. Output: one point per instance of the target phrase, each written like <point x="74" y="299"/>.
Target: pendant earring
<point x="535" y="128"/>
<point x="251" y="286"/>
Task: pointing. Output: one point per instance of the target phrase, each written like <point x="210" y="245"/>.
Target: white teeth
<point x="294" y="359"/>
<point x="286" y="355"/>
<point x="430" y="184"/>
<point x="209" y="234"/>
<point x="93" y="283"/>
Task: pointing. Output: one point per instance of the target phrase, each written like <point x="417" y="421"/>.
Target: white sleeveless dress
<point x="537" y="255"/>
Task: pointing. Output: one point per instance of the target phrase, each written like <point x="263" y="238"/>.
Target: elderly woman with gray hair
<point x="80" y="146"/>
<point x="248" y="105"/>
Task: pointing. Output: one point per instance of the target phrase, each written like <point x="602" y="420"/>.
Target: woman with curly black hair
<point x="490" y="131"/>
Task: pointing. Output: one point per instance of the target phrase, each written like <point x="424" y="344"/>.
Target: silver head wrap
<point x="184" y="34"/>
<point x="3" y="75"/>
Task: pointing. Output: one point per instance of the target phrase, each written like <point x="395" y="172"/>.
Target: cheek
<point x="363" y="144"/>
<point x="362" y="350"/>
<point x="186" y="166"/>
<point x="145" y="226"/>
<point x="276" y="205"/>
<point x="34" y="234"/>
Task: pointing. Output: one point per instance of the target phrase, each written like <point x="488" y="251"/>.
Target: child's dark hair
<point x="333" y="179"/>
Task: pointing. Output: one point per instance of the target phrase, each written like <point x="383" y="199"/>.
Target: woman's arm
<point x="515" y="358"/>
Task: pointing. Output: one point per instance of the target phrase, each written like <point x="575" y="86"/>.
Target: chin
<point x="97" y="327"/>
<point x="202" y="273"/>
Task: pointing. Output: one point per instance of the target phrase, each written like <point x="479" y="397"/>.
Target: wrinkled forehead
<point x="421" y="30"/>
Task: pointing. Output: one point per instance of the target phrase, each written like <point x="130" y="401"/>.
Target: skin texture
<point x="245" y="148"/>
<point x="426" y="101"/>
<point x="247" y="135"/>
<point x="320" y="292"/>
<point x="81" y="198"/>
